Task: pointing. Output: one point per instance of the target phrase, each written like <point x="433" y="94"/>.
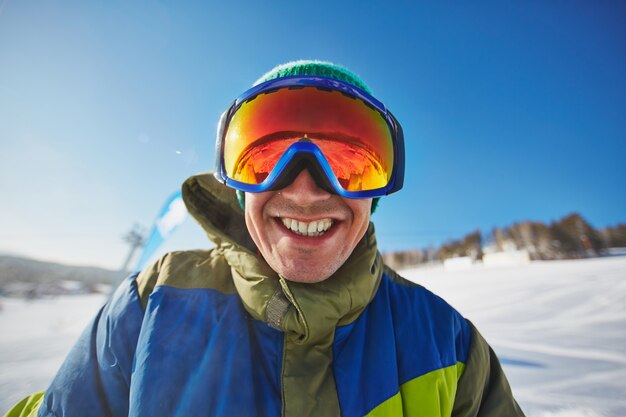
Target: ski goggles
<point x="350" y="143"/>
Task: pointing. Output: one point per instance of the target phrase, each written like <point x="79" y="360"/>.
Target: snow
<point x="36" y="336"/>
<point x="558" y="328"/>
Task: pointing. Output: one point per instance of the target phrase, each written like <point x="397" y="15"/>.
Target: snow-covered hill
<point x="558" y="327"/>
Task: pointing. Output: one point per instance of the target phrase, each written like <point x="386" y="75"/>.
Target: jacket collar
<point x="307" y="313"/>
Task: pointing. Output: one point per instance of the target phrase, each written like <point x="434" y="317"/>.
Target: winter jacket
<point x="218" y="333"/>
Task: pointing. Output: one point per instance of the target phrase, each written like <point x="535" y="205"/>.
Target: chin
<point x="305" y="279"/>
<point x="306" y="276"/>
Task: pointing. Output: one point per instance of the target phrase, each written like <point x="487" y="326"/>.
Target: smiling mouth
<point x="309" y="229"/>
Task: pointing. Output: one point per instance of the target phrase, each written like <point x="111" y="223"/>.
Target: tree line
<point x="568" y="238"/>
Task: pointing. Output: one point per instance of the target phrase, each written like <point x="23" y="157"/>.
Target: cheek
<point x="361" y="211"/>
<point x="254" y="216"/>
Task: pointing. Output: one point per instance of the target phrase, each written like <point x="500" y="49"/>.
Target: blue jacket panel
<point x="197" y="352"/>
<point x="405" y="332"/>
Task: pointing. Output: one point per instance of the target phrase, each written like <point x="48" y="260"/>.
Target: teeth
<point x="314" y="228"/>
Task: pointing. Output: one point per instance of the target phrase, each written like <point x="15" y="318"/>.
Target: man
<point x="293" y="313"/>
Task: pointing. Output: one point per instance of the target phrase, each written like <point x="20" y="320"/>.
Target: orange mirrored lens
<point x="354" y="138"/>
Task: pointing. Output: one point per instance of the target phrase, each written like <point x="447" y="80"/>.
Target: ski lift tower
<point x="135" y="238"/>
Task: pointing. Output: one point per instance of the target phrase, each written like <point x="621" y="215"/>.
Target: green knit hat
<point x="315" y="68"/>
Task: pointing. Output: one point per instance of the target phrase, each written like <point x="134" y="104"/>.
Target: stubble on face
<point x="305" y="256"/>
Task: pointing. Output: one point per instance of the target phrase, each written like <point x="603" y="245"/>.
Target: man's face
<point x="303" y="232"/>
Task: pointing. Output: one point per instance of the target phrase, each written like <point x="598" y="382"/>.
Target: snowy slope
<point x="36" y="336"/>
<point x="559" y="328"/>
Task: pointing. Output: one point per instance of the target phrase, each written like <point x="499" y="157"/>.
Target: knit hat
<point x="314" y="68"/>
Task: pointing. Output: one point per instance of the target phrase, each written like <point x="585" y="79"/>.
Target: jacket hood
<point x="215" y="207"/>
<point x="307" y="313"/>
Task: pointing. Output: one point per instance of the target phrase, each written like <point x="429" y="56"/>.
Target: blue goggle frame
<point x="306" y="151"/>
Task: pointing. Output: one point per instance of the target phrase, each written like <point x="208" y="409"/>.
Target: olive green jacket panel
<point x="483" y="389"/>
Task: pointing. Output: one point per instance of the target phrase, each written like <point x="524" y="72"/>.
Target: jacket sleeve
<point x="94" y="379"/>
<point x="27" y="407"/>
<point x="483" y="390"/>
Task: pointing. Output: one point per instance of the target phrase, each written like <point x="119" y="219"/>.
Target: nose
<point x="303" y="191"/>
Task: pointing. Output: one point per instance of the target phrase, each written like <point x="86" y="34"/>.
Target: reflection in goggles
<point x="353" y="137"/>
<point x="355" y="168"/>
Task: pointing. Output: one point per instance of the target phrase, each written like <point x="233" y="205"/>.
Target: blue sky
<point x="511" y="111"/>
